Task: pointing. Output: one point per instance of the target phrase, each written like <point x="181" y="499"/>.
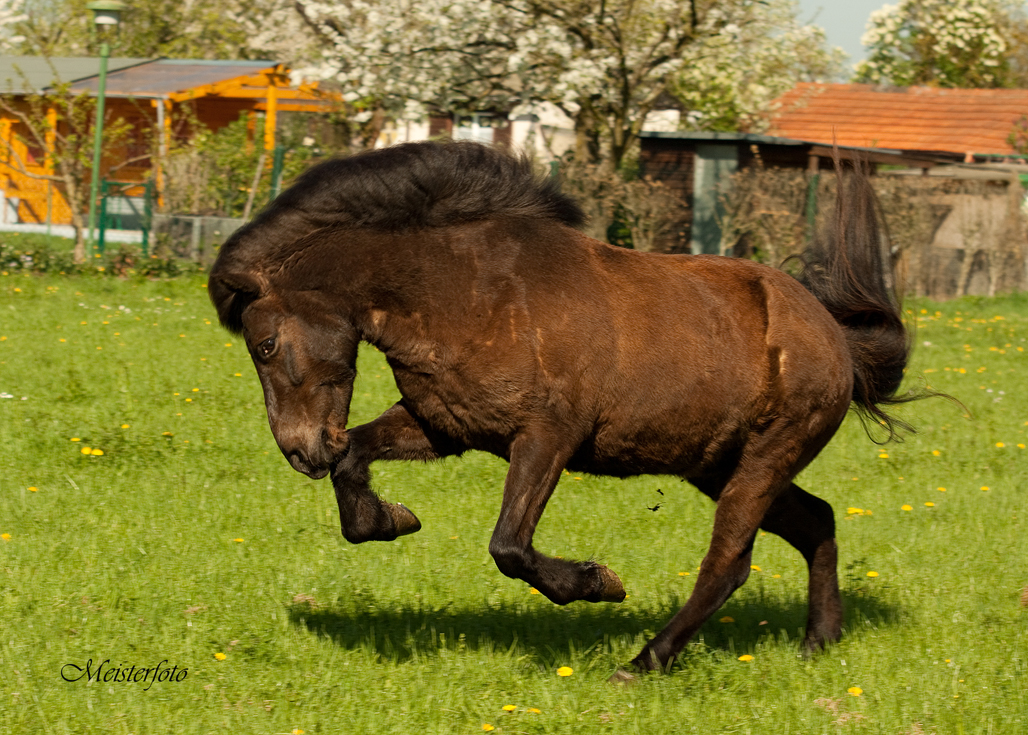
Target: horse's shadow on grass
<point x="549" y="632"/>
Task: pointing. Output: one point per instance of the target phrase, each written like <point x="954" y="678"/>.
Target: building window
<point x="477" y="126"/>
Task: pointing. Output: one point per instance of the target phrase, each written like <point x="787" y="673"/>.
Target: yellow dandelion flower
<point x="906" y="507"/>
<point x="238" y="375"/>
<point x="86" y="450"/>
<point x="220" y="656"/>
<point x="33" y="489"/>
<point x="941" y="489"/>
<point x="683" y="574"/>
<point x="238" y="540"/>
<point x="936" y="452"/>
<point x="1000" y="445"/>
<point x="565" y="671"/>
<point x="487" y="727"/>
<point x="855" y="691"/>
<point x="125" y="426"/>
<point x="296" y="731"/>
<point x="872" y="574"/>
<point x="754" y="567"/>
<point x="5" y="536"/>
<point x="228" y="344"/>
<point x="509" y="707"/>
<point x="746" y="657"/>
<point x="75" y="439"/>
<point x="533" y="591"/>
<point x="1020" y="446"/>
<point x="929" y="504"/>
<point x="534" y="711"/>
<point x="985" y="488"/>
<point x="727" y="619"/>
<point x="97" y="452"/>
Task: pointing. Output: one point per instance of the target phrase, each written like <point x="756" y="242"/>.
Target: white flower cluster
<point x="948" y="43"/>
<point x="11" y="12"/>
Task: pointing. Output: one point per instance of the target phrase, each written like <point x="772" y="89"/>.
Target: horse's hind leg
<point x="536" y="461"/>
<point x="741" y="507"/>
<point x="395" y="434"/>
<point x="807" y="522"/>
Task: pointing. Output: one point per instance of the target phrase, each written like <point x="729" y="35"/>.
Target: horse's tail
<point x="848" y="269"/>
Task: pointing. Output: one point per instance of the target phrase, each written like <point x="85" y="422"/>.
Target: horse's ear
<point x="231" y="292"/>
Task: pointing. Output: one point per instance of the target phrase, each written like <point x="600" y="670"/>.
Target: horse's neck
<point x="386" y="303"/>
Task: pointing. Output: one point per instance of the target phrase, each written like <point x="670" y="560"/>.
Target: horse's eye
<point x="266" y="347"/>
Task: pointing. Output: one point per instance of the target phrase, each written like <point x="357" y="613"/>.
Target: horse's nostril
<point x="297" y="461"/>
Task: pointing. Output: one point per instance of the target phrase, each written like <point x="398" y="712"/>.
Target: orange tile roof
<point x="904" y="118"/>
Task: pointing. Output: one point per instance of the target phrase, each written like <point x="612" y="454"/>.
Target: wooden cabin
<point x="149" y="94"/>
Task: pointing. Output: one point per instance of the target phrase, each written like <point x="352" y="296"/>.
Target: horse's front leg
<point x="394" y="435"/>
<point x="536" y="461"/>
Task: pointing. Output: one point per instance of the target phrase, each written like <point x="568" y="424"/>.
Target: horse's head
<point x="306" y="361"/>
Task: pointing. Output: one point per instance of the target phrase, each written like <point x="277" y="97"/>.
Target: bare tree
<point x="58" y="126"/>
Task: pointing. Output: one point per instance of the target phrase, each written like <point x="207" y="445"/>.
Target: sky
<point x="843" y="21"/>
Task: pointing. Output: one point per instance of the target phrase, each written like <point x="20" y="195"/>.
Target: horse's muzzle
<point x="315" y="459"/>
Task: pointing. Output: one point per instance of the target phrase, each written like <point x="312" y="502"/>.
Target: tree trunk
<point x="71" y="194"/>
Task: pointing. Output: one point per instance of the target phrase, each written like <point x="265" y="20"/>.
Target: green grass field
<point x="190" y="541"/>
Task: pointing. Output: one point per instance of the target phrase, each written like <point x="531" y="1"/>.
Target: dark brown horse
<point x="509" y="331"/>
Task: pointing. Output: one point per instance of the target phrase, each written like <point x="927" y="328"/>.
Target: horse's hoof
<point x="622" y="678"/>
<point x="404" y="521"/>
<point x="613" y="590"/>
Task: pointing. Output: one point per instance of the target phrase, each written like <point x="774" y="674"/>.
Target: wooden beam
<point x="898" y="158"/>
<point x="270" y="118"/>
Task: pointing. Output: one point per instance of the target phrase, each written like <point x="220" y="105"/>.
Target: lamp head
<point x="106" y="12"/>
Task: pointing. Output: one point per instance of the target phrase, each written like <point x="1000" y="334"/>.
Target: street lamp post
<point x="106" y="13"/>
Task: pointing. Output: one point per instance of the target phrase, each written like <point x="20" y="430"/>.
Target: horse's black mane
<point x="404" y="187"/>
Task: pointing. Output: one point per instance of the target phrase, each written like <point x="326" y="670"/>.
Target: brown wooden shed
<point x="696" y="164"/>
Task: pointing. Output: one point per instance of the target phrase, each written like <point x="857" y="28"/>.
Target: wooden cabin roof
<point x="30" y="74"/>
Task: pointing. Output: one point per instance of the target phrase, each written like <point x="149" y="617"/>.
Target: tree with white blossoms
<point x="604" y="63"/>
<point x="941" y="43"/>
<point x="729" y="81"/>
<point x="12" y="12"/>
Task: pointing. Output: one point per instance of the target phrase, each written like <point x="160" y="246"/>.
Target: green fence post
<point x="278" y="162"/>
<point x="812" y="203"/>
<point x="104" y="185"/>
